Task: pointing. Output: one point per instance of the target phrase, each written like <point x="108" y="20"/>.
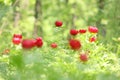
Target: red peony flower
<point x="16" y="41"/>
<point x="82" y="31"/>
<point x="92" y="39"/>
<point x="28" y="43"/>
<point x="53" y="45"/>
<point x="39" y="42"/>
<point x="73" y="32"/>
<point x="17" y="36"/>
<point x="75" y="44"/>
<point x="92" y="29"/>
<point x="39" y="39"/>
<point x="58" y="23"/>
<point x="83" y="57"/>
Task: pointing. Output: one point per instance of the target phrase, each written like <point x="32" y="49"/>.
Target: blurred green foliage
<point x="85" y="13"/>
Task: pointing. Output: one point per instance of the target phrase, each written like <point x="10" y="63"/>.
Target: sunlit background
<point x="33" y="18"/>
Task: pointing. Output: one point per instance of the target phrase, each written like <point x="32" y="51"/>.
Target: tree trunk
<point x="74" y="17"/>
<point x="16" y="13"/>
<point x="25" y="4"/>
<point x="100" y="11"/>
<point x="38" y="19"/>
<point x="115" y="18"/>
<point x="101" y="4"/>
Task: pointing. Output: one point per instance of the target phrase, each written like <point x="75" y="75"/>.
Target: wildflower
<point x="73" y="32"/>
<point x="54" y="45"/>
<point x="75" y="44"/>
<point x="58" y="23"/>
<point x="82" y="31"/>
<point x="92" y="39"/>
<point x="83" y="57"/>
<point x="92" y="29"/>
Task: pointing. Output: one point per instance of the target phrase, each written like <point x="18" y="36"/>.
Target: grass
<point x="61" y="63"/>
